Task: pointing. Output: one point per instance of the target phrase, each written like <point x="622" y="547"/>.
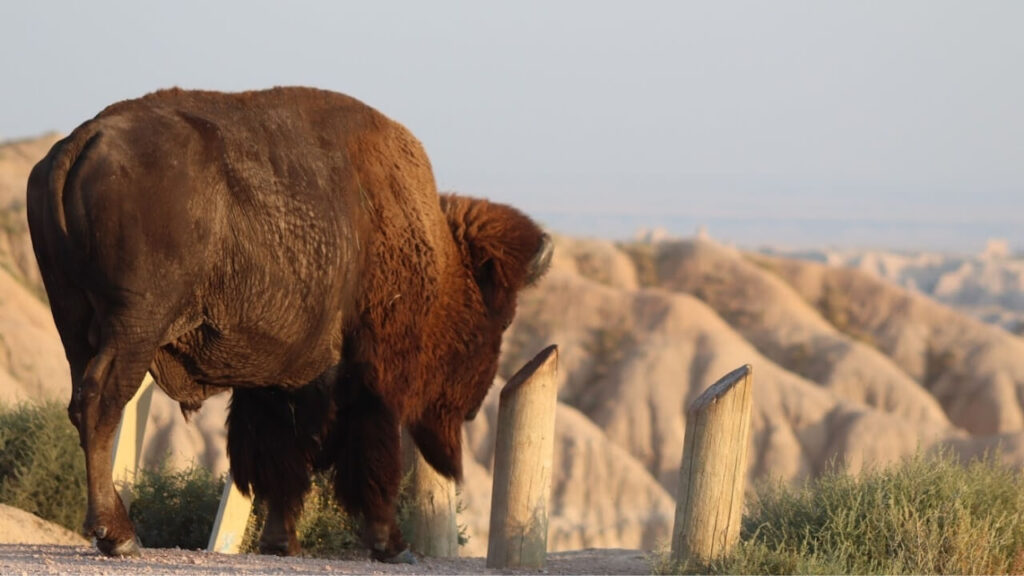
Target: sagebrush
<point x="175" y="508"/>
<point x="42" y="467"/>
<point x="324" y="529"/>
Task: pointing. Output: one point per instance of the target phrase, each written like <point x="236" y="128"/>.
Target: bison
<point x="289" y="245"/>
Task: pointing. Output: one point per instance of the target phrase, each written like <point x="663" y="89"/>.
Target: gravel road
<point x="31" y="560"/>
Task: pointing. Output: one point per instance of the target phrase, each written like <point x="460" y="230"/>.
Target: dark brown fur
<point x="289" y="244"/>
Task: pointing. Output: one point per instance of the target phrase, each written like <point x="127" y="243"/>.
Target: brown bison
<point x="290" y="245"/>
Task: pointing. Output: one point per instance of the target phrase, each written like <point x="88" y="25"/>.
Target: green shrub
<point x="324" y="530"/>
<point x="175" y="508"/>
<point x="42" y="467"/>
<point x="925" y="515"/>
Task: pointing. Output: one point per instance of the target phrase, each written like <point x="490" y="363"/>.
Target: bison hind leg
<point x="108" y="383"/>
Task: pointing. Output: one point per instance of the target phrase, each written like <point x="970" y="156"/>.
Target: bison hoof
<point x="127" y="548"/>
<point x="284" y="548"/>
<point x="404" y="557"/>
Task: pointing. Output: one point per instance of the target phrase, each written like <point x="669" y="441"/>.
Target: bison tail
<point x="66" y="155"/>
<point x="46" y="202"/>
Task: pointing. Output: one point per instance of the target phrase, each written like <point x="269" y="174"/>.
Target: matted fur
<point x="289" y="244"/>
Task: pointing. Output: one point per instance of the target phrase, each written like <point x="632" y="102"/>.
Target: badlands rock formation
<point x="974" y="370"/>
<point x="988" y="285"/>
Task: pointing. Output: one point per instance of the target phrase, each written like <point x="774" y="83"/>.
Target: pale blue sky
<point x="904" y="113"/>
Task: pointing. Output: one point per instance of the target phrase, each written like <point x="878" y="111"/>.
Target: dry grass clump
<point x="928" y="514"/>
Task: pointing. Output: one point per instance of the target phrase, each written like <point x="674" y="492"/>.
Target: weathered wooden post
<point x="711" y="479"/>
<point x="432" y="528"/>
<point x="524" y="446"/>
<point x="128" y="441"/>
<point x="232" y="519"/>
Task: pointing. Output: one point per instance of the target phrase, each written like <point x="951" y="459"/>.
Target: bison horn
<point x="541" y="260"/>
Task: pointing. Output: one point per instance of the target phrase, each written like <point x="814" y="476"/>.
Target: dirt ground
<point x="30" y="560"/>
<point x="32" y="546"/>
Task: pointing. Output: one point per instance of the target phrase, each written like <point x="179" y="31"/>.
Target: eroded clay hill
<point x="633" y="358"/>
<point x="974" y="370"/>
<point x="847" y="368"/>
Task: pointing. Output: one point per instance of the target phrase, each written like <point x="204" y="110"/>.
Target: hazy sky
<point x="904" y="113"/>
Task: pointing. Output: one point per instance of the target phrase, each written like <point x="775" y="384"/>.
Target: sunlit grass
<point x="925" y="515"/>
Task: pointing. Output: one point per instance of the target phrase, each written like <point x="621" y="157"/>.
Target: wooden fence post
<point x="128" y="441"/>
<point x="232" y="519"/>
<point x="709" y="508"/>
<point x="432" y="527"/>
<point x="524" y="446"/>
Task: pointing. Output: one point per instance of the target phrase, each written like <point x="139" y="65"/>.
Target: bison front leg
<point x="109" y="381"/>
<point x="440" y="442"/>
<point x="279" y="536"/>
<point x="368" y="471"/>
